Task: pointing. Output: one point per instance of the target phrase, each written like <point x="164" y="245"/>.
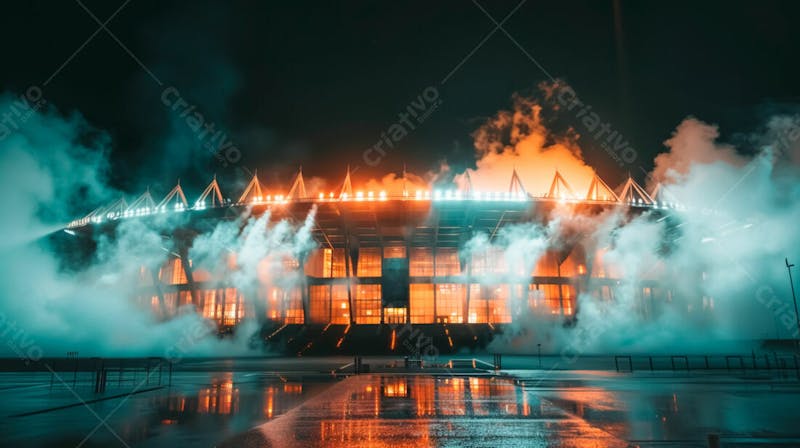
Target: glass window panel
<point x="368" y="304"/>
<point x="421" y="262"/>
<point x="369" y="262"/>
<point x="447" y="262"/>
<point x="394" y="252"/>
<point x="319" y="308"/>
<point x="421" y="303"/>
<point x="450" y="299"/>
<point x="339" y="305"/>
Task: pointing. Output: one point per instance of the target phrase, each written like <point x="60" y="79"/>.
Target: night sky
<point x="316" y="84"/>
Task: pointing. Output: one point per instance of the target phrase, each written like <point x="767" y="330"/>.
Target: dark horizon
<point x="317" y="86"/>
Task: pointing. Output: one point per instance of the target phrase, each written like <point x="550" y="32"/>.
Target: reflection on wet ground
<point x="199" y="409"/>
<point x="419" y="411"/>
<point x="520" y="408"/>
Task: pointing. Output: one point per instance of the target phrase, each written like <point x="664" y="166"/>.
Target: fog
<point x="721" y="252"/>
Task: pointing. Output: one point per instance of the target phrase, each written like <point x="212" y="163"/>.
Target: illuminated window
<point x="369" y="262"/>
<point x="478" y="307"/>
<point x="447" y="262"/>
<point x="547" y="266"/>
<point x="336" y="267"/>
<point x="293" y="306"/>
<point x="489" y="304"/>
<point x="319" y="308"/>
<point x="395" y="387"/>
<point x="450" y="303"/>
<point x="394" y="252"/>
<point x="315" y="263"/>
<point x="172" y="272"/>
<point x="421" y="303"/>
<point x="552" y="298"/>
<point x="557" y="299"/>
<point x="326" y="263"/>
<point x="290" y="264"/>
<point x="568" y="299"/>
<point x="210" y="304"/>
<point x="184" y="298"/>
<point x="233" y="307"/>
<point x="394" y="315"/>
<point x="421" y="262"/>
<point x="327" y="260"/>
<point x="273" y="299"/>
<point x="178" y="273"/>
<point x="340" y="311"/>
<point x="368" y="304"/>
<point x="498" y="304"/>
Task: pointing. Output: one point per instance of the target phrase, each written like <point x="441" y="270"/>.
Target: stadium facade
<point x="383" y="260"/>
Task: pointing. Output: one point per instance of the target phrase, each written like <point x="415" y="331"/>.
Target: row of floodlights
<point x="420" y="195"/>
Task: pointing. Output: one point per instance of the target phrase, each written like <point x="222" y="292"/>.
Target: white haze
<point x="53" y="169"/>
<point x="739" y="224"/>
<point x="729" y="247"/>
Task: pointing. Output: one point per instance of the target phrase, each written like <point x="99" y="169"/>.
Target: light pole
<point x="794" y="298"/>
<point x="539" y="346"/>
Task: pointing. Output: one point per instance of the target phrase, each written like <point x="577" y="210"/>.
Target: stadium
<point x="383" y="266"/>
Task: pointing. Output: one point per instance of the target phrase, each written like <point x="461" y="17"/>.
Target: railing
<point x="764" y="362"/>
<point x="100" y="373"/>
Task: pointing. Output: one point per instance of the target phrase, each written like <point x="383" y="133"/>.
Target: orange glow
<point x="395" y="388"/>
<point x="394" y="252"/>
<point x="421" y="303"/>
<point x="421" y="262"/>
<point x="221" y="398"/>
<point x="369" y="262"/>
<point x="424" y="393"/>
<point x="339" y="305"/>
<point x="447" y="262"/>
<point x="269" y="406"/>
<point x="450" y="299"/>
<point x="172" y="273"/>
<point x="394" y="185"/>
<point x="293" y="388"/>
<point x="368" y="304"/>
<point x="531" y="150"/>
<point x="394" y="315"/>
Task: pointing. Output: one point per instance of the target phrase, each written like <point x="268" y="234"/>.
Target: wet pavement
<point x="250" y="407"/>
